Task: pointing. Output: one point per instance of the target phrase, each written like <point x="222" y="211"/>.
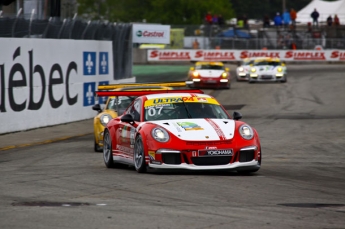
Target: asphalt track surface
<point x="51" y="178"/>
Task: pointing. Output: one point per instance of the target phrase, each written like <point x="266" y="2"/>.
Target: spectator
<point x="266" y="21"/>
<point x="278" y="20"/>
<point x="245" y="21"/>
<point x="286" y="18"/>
<point x="315" y="15"/>
<point x="208" y="18"/>
<point x="195" y="44"/>
<point x="293" y="16"/>
<point x="220" y="20"/>
<point x="240" y="21"/>
<point x="293" y="45"/>
<point x="215" y="19"/>
<point x="336" y="20"/>
<point x="329" y="20"/>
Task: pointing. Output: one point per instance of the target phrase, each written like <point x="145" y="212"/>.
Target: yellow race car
<point x="115" y="106"/>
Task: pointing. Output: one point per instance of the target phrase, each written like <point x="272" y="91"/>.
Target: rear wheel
<point x="139" y="155"/>
<point x="108" y="151"/>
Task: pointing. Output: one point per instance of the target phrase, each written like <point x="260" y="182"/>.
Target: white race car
<point x="268" y="69"/>
<point x="243" y="69"/>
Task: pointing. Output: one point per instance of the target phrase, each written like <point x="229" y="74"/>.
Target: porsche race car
<point x="243" y="69"/>
<point x="182" y="129"/>
<point x="209" y="74"/>
<point x="115" y="106"/>
<point x="268" y="70"/>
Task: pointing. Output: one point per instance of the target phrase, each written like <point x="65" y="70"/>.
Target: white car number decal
<point x="152" y="110"/>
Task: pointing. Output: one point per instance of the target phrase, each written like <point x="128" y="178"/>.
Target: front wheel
<point x="139" y="155"/>
<point x="108" y="151"/>
<point x="97" y="148"/>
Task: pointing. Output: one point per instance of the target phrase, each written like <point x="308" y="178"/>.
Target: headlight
<point x="253" y="70"/>
<point x="195" y="74"/>
<point x="105" y="118"/>
<point x="224" y="75"/>
<point x="246" y="132"/>
<point x="279" y="69"/>
<point x="160" y="134"/>
<point x="240" y="69"/>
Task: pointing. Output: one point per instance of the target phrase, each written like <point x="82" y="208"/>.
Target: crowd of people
<point x="288" y="19"/>
<point x="216" y="19"/>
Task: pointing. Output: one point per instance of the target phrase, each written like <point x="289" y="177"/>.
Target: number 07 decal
<point x="152" y="111"/>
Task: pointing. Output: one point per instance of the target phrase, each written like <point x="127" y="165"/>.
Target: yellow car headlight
<point x="279" y="69"/>
<point x="105" y="118"/>
<point x="253" y="70"/>
<point x="224" y="75"/>
<point x="195" y="74"/>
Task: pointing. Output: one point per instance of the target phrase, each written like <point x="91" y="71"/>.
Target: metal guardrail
<point x="73" y="28"/>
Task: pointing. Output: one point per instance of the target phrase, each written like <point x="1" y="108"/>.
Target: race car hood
<point x="210" y="73"/>
<point x="266" y="69"/>
<point x="199" y="129"/>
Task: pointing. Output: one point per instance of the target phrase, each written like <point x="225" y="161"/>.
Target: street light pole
<point x="284" y="6"/>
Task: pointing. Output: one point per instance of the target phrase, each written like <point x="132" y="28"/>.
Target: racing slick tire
<point x="247" y="172"/>
<point x="108" y="151"/>
<point x="284" y="80"/>
<point x="139" y="155"/>
<point x="97" y="148"/>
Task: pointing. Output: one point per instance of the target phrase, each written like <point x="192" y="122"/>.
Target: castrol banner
<point x="151" y="34"/>
<point x="238" y="55"/>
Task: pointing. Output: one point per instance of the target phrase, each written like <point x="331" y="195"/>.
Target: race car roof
<point x="269" y="59"/>
<point x="158" y="84"/>
<point x="147" y="92"/>
<point x="209" y="63"/>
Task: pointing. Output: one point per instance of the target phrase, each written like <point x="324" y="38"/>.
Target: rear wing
<point x="146" y="92"/>
<point x="165" y="84"/>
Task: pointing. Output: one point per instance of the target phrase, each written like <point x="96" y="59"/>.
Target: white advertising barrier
<point x="46" y="82"/>
<point x="151" y="34"/>
<point x="237" y="55"/>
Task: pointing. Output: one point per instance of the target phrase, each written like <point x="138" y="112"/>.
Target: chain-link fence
<point x="55" y="28"/>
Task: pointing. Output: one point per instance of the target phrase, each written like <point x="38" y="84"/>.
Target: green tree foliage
<point x="180" y="12"/>
<point x="255" y="9"/>
<point x="187" y="11"/>
<point x="154" y="11"/>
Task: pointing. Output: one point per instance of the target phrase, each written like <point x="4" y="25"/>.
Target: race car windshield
<point x="248" y="62"/>
<point x="209" y="67"/>
<point x="120" y="103"/>
<point x="270" y="63"/>
<point x="184" y="110"/>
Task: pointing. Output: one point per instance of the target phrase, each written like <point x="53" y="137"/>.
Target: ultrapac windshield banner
<point x="151" y="34"/>
<point x="47" y="82"/>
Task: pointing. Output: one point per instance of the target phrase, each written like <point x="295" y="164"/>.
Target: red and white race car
<point x="179" y="129"/>
<point x="209" y="74"/>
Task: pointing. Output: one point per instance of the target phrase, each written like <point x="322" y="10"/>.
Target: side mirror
<point x="192" y="68"/>
<point x="236" y="115"/>
<point x="227" y="69"/>
<point x="127" y="118"/>
<point x="97" y="107"/>
<point x="251" y="65"/>
<point x="283" y="64"/>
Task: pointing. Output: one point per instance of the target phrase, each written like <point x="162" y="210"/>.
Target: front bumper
<point x="209" y="82"/>
<point x="267" y="77"/>
<point x="246" y="158"/>
<point x="237" y="165"/>
<point x="242" y="76"/>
